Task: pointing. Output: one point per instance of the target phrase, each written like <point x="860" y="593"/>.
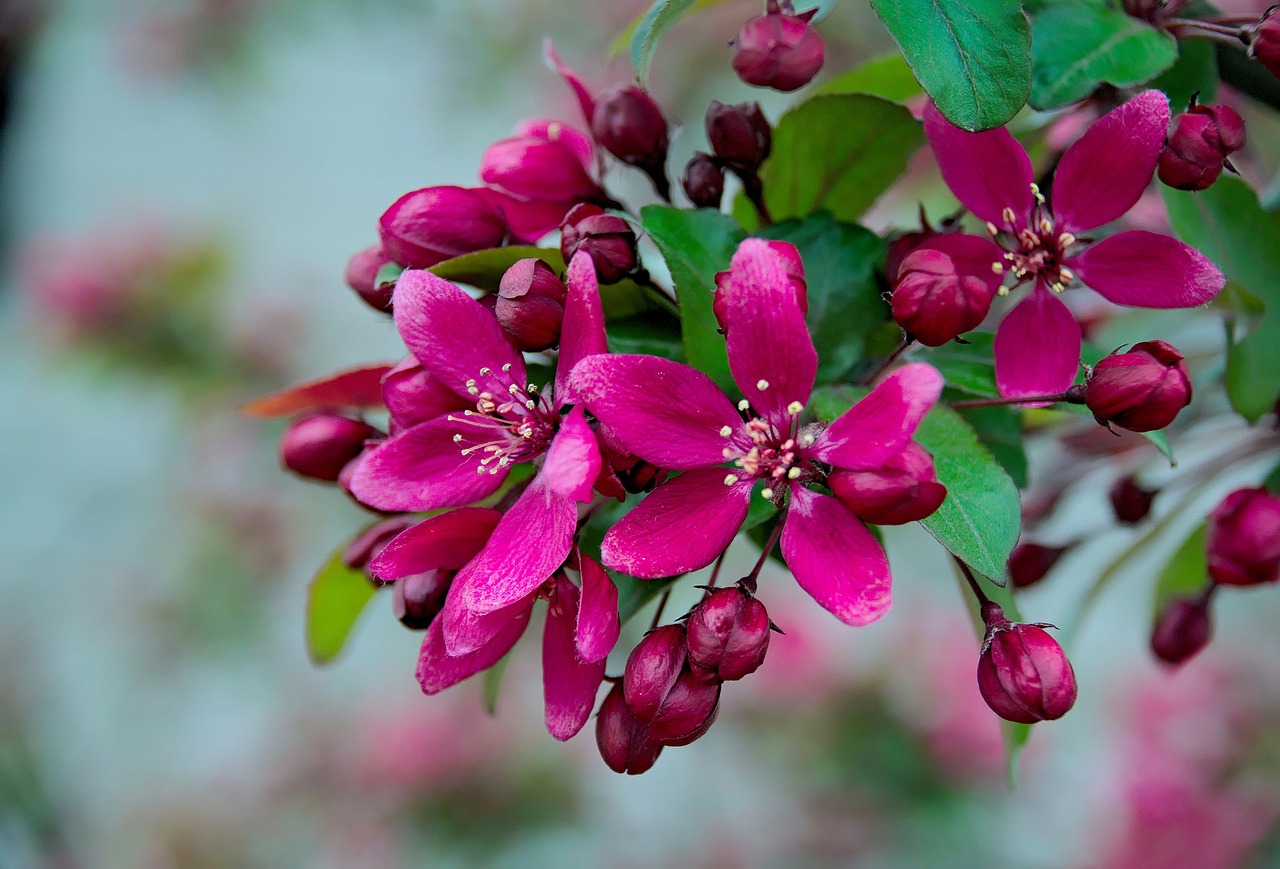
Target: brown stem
<point x="662" y="605"/>
<point x="906" y="342"/>
<point x="754" y="188"/>
<point x="1067" y="396"/>
<point x="749" y="581"/>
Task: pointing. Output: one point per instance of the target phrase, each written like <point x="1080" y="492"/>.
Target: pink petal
<point x="573" y="458"/>
<point x="682" y="525"/>
<point x="413" y="395"/>
<point x="355" y="387"/>
<point x="582" y="331"/>
<point x="664" y="412"/>
<point x="531" y="541"/>
<point x="447" y="541"/>
<point x="835" y="558"/>
<point x="529" y="220"/>
<point x="1148" y="270"/>
<point x="881" y="425"/>
<point x="577" y="142"/>
<point x="569" y="685"/>
<point x="438" y="670"/>
<point x="988" y="172"/>
<point x="598" y="627"/>
<point x="454" y="336"/>
<point x="1102" y="175"/>
<point x="973" y="255"/>
<point x="1037" y="347"/>
<point x="422" y="468"/>
<point x="464" y="630"/>
<point x="585" y="101"/>
<point x="770" y="352"/>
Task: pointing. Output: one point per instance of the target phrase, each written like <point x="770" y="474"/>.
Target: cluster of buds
<point x="1139" y="390"/>
<point x="1023" y="674"/>
<point x="1202" y="139"/>
<point x="606" y="238"/>
<point x="740" y="139"/>
<point x="779" y="49"/>
<point x="934" y="299"/>
<point x="670" y="691"/>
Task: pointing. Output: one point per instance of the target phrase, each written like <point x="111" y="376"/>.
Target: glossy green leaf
<point x="969" y="368"/>
<point x="1000" y="431"/>
<point x="840" y="264"/>
<point x="972" y="56"/>
<point x="696" y="245"/>
<point x="837" y="153"/>
<point x="1186" y="572"/>
<point x="660" y="18"/>
<point x="654" y="334"/>
<point x="1194" y="72"/>
<point x="829" y="402"/>
<point x="888" y="77"/>
<point x="1077" y="46"/>
<point x="336" y="597"/>
<point x="389" y="273"/>
<point x="485" y="268"/>
<point x="624" y="40"/>
<point x="493" y="683"/>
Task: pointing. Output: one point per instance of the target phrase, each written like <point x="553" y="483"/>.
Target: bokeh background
<point x="181" y="184"/>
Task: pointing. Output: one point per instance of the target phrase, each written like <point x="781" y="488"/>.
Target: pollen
<point x="767" y="493"/>
<point x="806" y="440"/>
<point x="991" y="229"/>
<point x="1035" y="192"/>
<point x="727" y="453"/>
<point x="1057" y="287"/>
<point x="1045" y="226"/>
<point x="743" y="405"/>
<point x="730" y="479"/>
<point x="762" y="384"/>
<point x="506" y="366"/>
<point x="1008" y="216"/>
<point x="725" y="431"/>
<point x="795" y="407"/>
<point x="793" y="473"/>
<point x="1002" y="292"/>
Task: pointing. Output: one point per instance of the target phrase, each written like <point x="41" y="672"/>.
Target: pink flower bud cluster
<point x="1202" y="139"/>
<point x="741" y="139"/>
<point x="1023" y="674"/>
<point x="780" y="49"/>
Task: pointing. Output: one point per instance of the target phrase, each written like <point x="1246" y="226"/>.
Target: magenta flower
<point x="674" y="416"/>
<point x="1039" y="242"/>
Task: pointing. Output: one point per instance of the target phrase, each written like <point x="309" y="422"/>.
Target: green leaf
<point x="888" y="77"/>
<point x="972" y="56"/>
<point x="493" y="683"/>
<point x="389" y="273"/>
<point x="485" y="268"/>
<point x="840" y="265"/>
<point x="1000" y="430"/>
<point x="837" y="152"/>
<point x="626" y="38"/>
<point x="653" y="334"/>
<point x="1194" y="72"/>
<point x="660" y="18"/>
<point x="1077" y="46"/>
<point x="335" y="599"/>
<point x="829" y="402"/>
<point x="981" y="517"/>
<point x="696" y="245"/>
<point x="1186" y="572"/>
<point x="1162" y="444"/>
<point x="969" y="368"/>
<point x="635" y="594"/>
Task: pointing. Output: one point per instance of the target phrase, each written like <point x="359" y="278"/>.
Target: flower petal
<point x="437" y="669"/>
<point x="585" y="101"/>
<point x="682" y="525"/>
<point x="355" y="387"/>
<point x="454" y="336"/>
<point x="582" y="330"/>
<point x="573" y="458"/>
<point x="988" y="172"/>
<point x="413" y="395"/>
<point x="423" y="468"/>
<point x="881" y="425"/>
<point x="447" y="541"/>
<point x="1148" y="270"/>
<point x="529" y="219"/>
<point x="531" y="541"/>
<point x="664" y="412"/>
<point x="596" y="632"/>
<point x="1037" y="347"/>
<point x="464" y="630"/>
<point x="770" y="352"/>
<point x="1102" y="175"/>
<point x="554" y="131"/>
<point x="973" y="255"/>
<point x="835" y="558"/>
<point x="569" y="685"/>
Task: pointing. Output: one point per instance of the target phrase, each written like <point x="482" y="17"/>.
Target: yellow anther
<point x="762" y="384"/>
<point x="457" y="439"/>
<point x="485" y="372"/>
<point x="767" y="493"/>
<point x="806" y="440"/>
<point x="1045" y="226"/>
<point x="794" y="407"/>
<point x="744" y="404"/>
<point x="1066" y="239"/>
<point x="731" y="479"/>
<point x="1057" y="287"/>
<point x="991" y="228"/>
<point x="793" y="473"/>
<point x="998" y="268"/>
<point x="1067" y="275"/>
<point x="506" y="366"/>
<point x="725" y="431"/>
<point x="1003" y="291"/>
<point x="1008" y="216"/>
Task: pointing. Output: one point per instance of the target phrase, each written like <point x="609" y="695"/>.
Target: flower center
<point x="773" y="456"/>
<point x="519" y="424"/>
<point x="1036" y="252"/>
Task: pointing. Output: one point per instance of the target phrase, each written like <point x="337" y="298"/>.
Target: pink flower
<point x="675" y="417"/>
<point x="1038" y="242"/>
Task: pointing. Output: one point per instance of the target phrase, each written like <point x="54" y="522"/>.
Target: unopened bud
<point x="1141" y="390"/>
<point x="739" y="134"/>
<point x="1243" y="538"/>
<point x="1029" y="562"/>
<point x="629" y="125"/>
<point x="1182" y="630"/>
<point x="538" y="168"/>
<point x="934" y="302"/>
<point x="623" y="739"/>
<point x="434" y="224"/>
<point x="904" y="488"/>
<point x="728" y="633"/>
<point x="371" y="541"/>
<point x="1130" y="501"/>
<point x="1202" y="139"/>
<point x="688" y="711"/>
<point x="530" y="305"/>
<point x="1023" y="674"/>
<point x="1264" y="41"/>
<point x="607" y="239"/>
<point x="320" y="446"/>
<point x="703" y="181"/>
<point x="778" y="50"/>
<point x="652" y="670"/>
<point x="362" y="276"/>
<point x="418" y="598"/>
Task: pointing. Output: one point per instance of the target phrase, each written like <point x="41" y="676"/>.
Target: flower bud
<point x="728" y="633"/>
<point x="607" y="239"/>
<point x="1023" y="674"/>
<point x="1264" y="41"/>
<point x="903" y="489"/>
<point x="362" y="276"/>
<point x="739" y="134"/>
<point x="1130" y="501"/>
<point x="934" y="302"/>
<point x="1197" y="149"/>
<point x="434" y="224"/>
<point x="537" y="168"/>
<point x="371" y="541"/>
<point x="1243" y="538"/>
<point x="652" y="670"/>
<point x="418" y="598"/>
<point x="703" y="181"/>
<point x="1141" y="390"/>
<point x="1182" y="630"/>
<point x="778" y="50"/>
<point x="1029" y="562"/>
<point x="623" y="739"/>
<point x="530" y="305"/>
<point x="688" y="710"/>
<point x="628" y="124"/>
<point x="320" y="446"/>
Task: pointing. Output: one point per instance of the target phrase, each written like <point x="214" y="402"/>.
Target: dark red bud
<point x="623" y="739"/>
<point x="1141" y="390"/>
<point x="728" y="633"/>
<point x="372" y="540"/>
<point x="418" y="598"/>
<point x="652" y="670"/>
<point x="934" y="302"/>
<point x="434" y="224"/>
<point x="903" y="489"/>
<point x="1243" y="538"/>
<point x="778" y="51"/>
<point x="703" y="181"/>
<point x="1264" y="41"/>
<point x="1201" y="140"/>
<point x="530" y="305"/>
<point x="739" y="134"/>
<point x="362" y="276"/>
<point x="1182" y="630"/>
<point x="629" y="125"/>
<point x="1130" y="501"/>
<point x="607" y="239"/>
<point x="320" y="446"/>
<point x="1023" y="674"/>
<point x="1029" y="562"/>
<point x="687" y="712"/>
<point x="1229" y="126"/>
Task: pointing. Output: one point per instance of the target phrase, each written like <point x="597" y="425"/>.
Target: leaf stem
<point x="906" y="342"/>
<point x="1074" y="395"/>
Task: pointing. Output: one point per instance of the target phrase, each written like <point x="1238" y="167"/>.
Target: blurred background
<point x="181" y="184"/>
